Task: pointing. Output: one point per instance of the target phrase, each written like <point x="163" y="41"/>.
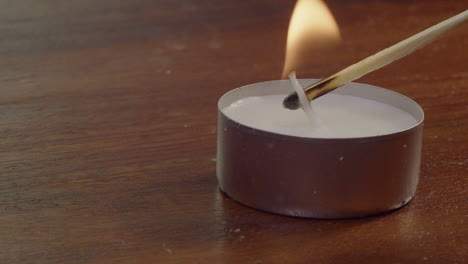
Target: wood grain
<point x="108" y="132"/>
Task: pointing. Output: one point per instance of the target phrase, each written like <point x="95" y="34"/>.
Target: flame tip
<point x="311" y="28"/>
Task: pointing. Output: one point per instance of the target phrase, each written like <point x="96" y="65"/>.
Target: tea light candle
<point x="341" y="116"/>
<point x="361" y="158"/>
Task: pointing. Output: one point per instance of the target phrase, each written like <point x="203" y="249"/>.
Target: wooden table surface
<point x="108" y="132"/>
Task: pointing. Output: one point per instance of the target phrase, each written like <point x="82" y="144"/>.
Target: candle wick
<point x="305" y="104"/>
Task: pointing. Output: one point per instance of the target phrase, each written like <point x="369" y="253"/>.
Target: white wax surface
<point x="341" y="116"/>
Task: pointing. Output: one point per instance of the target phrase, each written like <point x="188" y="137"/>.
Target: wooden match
<point x="376" y="61"/>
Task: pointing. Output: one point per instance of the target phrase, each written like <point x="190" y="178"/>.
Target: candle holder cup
<point x="318" y="177"/>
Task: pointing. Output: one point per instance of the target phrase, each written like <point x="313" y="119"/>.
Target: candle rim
<point x="342" y="91"/>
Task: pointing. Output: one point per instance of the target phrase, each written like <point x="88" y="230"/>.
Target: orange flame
<point x="312" y="27"/>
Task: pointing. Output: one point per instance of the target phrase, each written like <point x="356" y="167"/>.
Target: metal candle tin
<point x="318" y="177"/>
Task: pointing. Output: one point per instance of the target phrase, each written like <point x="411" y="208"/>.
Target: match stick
<point x="376" y="61"/>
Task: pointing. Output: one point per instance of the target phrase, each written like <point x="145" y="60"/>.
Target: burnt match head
<point x="292" y="101"/>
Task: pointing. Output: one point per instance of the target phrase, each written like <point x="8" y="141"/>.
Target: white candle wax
<point x="341" y="116"/>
